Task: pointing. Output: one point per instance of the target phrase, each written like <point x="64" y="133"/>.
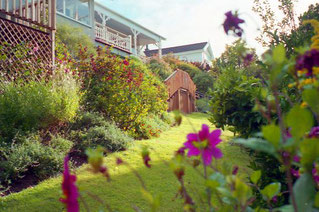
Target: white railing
<point x="38" y="12"/>
<point x="113" y="37"/>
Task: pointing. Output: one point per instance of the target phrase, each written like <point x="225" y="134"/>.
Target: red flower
<point x="70" y="191"/>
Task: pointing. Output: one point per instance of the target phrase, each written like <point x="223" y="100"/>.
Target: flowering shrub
<point x="123" y="90"/>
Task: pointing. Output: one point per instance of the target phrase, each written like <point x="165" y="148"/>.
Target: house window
<point x="76" y="9"/>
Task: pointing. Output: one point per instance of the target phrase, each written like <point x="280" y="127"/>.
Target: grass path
<point x="124" y="190"/>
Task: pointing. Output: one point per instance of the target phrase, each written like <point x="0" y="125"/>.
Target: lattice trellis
<point x="15" y="62"/>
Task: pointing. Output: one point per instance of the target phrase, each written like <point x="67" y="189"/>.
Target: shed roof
<point x="178" y="49"/>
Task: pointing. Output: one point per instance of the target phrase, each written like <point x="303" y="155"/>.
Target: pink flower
<point x="125" y="62"/>
<point x="70" y="191"/>
<point x="204" y="144"/>
<point x="295" y="173"/>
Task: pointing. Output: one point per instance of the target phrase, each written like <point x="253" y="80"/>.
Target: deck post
<point x="135" y="34"/>
<point x="160" y="48"/>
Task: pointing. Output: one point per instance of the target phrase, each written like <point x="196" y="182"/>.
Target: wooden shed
<point x="181" y="91"/>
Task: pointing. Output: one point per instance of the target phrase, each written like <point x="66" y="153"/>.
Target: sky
<point x="190" y="21"/>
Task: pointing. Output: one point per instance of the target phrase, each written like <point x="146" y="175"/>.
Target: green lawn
<point x="124" y="191"/>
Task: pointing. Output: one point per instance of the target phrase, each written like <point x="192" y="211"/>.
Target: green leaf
<point x="257" y="144"/>
<point x="279" y="54"/>
<point x="317" y="200"/>
<point x="271" y="190"/>
<point x="242" y="191"/>
<point x="255" y="176"/>
<point x="309" y="149"/>
<point x="300" y="120"/>
<point x="311" y="96"/>
<point x="304" y="191"/>
<point x="272" y="134"/>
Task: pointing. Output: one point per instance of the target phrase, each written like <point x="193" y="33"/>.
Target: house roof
<point x="178" y="49"/>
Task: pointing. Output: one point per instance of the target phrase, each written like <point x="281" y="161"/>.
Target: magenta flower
<point x="204" y="144"/>
<point x="307" y="61"/>
<point x="70" y="191"/>
<point x="232" y="24"/>
<point x="295" y="173"/>
<point x="314" y="132"/>
<point x="248" y="59"/>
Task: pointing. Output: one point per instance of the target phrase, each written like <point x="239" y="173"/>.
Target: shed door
<point x="184" y="101"/>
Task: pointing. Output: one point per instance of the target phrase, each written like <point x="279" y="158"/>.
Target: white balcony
<point x="113" y="38"/>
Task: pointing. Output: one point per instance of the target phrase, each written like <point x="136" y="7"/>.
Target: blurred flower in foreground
<point x="204" y="144"/>
<point x="232" y="24"/>
<point x="70" y="191"/>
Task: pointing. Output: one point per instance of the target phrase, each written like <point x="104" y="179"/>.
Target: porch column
<point x="92" y="17"/>
<point x="160" y="49"/>
<point x="135" y="34"/>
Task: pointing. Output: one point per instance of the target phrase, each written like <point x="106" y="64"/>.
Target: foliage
<point x="123" y="90"/>
<point x="189" y="68"/>
<point x="202" y="105"/>
<point x="160" y="68"/>
<point x="37" y="105"/>
<point x="233" y="100"/>
<point x="92" y="129"/>
<point x="150" y="126"/>
<point x="203" y="81"/>
<point x="234" y="56"/>
<point x="28" y="155"/>
<point x="73" y="38"/>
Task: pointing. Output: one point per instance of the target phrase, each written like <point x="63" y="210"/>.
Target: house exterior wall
<point x="191" y="56"/>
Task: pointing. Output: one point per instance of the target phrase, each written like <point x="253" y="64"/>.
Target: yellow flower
<point x="315" y="70"/>
<point x="304" y="104"/>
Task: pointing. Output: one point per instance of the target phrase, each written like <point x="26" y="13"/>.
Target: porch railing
<point x="30" y="12"/>
<point x="113" y="37"/>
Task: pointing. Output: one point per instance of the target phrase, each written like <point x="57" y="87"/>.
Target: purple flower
<point x="204" y="144"/>
<point x="295" y="173"/>
<point x="235" y="170"/>
<point x="314" y="132"/>
<point x="232" y="23"/>
<point x="70" y="191"/>
<point x="296" y="158"/>
<point x="307" y="61"/>
<point x="248" y="59"/>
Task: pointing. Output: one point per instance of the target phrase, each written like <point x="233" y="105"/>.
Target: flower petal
<point x="207" y="157"/>
<point x="217" y="153"/>
<point x="204" y="133"/>
<point x="192" y="137"/>
<point x="214" y="137"/>
<point x="192" y="150"/>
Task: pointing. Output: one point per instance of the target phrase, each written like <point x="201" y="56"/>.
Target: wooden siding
<point x="181" y="91"/>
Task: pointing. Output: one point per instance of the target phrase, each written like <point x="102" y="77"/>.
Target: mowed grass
<point x="124" y="191"/>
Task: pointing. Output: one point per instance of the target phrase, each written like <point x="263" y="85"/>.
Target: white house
<point x="197" y="52"/>
<point x="107" y="27"/>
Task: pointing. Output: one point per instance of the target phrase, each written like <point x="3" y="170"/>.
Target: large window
<point x="76" y="9"/>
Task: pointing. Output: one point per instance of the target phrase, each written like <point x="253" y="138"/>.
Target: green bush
<point x="27" y="154"/>
<point x="92" y="130"/>
<point x="150" y="126"/>
<point x="203" y="81"/>
<point x="233" y="100"/>
<point x="73" y="38"/>
<point x="189" y="68"/>
<point x="160" y="68"/>
<point x="37" y="105"/>
<point x="202" y="105"/>
<point x="168" y="118"/>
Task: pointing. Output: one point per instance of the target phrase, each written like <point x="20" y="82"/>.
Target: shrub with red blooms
<point x="125" y="91"/>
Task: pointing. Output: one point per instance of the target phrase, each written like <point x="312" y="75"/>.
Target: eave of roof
<point x="178" y="49"/>
<point x="133" y="22"/>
